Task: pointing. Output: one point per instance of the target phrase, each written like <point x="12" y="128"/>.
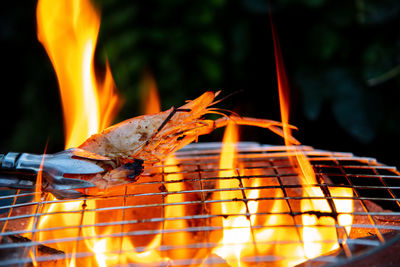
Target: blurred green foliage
<point x="179" y="41"/>
<point x="354" y="57"/>
<point x="343" y="59"/>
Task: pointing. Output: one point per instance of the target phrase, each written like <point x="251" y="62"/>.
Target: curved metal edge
<point x="385" y="255"/>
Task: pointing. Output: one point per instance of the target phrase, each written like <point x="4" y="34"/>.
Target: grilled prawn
<point x="151" y="138"/>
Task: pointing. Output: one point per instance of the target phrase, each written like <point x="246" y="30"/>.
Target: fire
<point x="37" y="198"/>
<point x="236" y="229"/>
<point x="150" y="100"/>
<point x="317" y="240"/>
<point x="247" y="234"/>
<point x="174" y="185"/>
<point x="68" y="30"/>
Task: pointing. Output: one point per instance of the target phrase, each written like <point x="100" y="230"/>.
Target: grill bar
<point x="197" y="172"/>
<point x="387" y="213"/>
<point x="258" y="259"/>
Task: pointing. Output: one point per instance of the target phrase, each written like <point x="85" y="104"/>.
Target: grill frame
<point x="210" y="151"/>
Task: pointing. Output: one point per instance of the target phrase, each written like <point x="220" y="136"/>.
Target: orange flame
<point x="236" y="228"/>
<point x="68" y="30"/>
<point x="317" y="240"/>
<point x="150" y="100"/>
<point x="246" y="234"/>
<point x="36" y="198"/>
<point x="174" y="186"/>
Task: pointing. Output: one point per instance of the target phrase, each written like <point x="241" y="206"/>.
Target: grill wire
<point x="140" y="211"/>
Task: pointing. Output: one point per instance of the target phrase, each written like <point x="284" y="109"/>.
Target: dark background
<point x="342" y="59"/>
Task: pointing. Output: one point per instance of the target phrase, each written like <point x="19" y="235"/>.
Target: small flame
<point x="174" y="185"/>
<point x="344" y="206"/>
<point x="150" y="100"/>
<point x="236" y="231"/>
<point x="37" y="198"/>
<point x="99" y="248"/>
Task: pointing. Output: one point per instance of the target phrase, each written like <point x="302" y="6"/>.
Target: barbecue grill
<point x="168" y="212"/>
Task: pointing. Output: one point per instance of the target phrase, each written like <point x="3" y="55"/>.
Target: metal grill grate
<point x="167" y="215"/>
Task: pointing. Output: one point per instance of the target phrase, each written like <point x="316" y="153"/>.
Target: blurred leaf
<point x="315" y="93"/>
<point x="212" y="42"/>
<point x="218" y="3"/>
<point x="314" y="3"/>
<point x="308" y="3"/>
<point x="378" y="59"/>
<point x="349" y="105"/>
<point x="211" y="69"/>
<point x="340" y="13"/>
<point x="122" y="44"/>
<point x="325" y="42"/>
<point x="256" y="6"/>
<point x="119" y="18"/>
<point x="349" y="102"/>
<point x="380" y="11"/>
<point x="199" y="15"/>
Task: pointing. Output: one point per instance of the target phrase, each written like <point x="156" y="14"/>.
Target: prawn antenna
<point x="221" y="111"/>
<point x="225" y="97"/>
<point x="169" y="117"/>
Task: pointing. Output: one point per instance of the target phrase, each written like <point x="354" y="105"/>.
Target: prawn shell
<point x="125" y="138"/>
<point x="151" y="137"/>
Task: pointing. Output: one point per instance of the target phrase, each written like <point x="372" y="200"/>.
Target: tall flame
<point x="317" y="240"/>
<point x="68" y="30"/>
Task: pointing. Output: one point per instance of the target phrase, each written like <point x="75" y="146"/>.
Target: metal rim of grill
<point x="369" y="180"/>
